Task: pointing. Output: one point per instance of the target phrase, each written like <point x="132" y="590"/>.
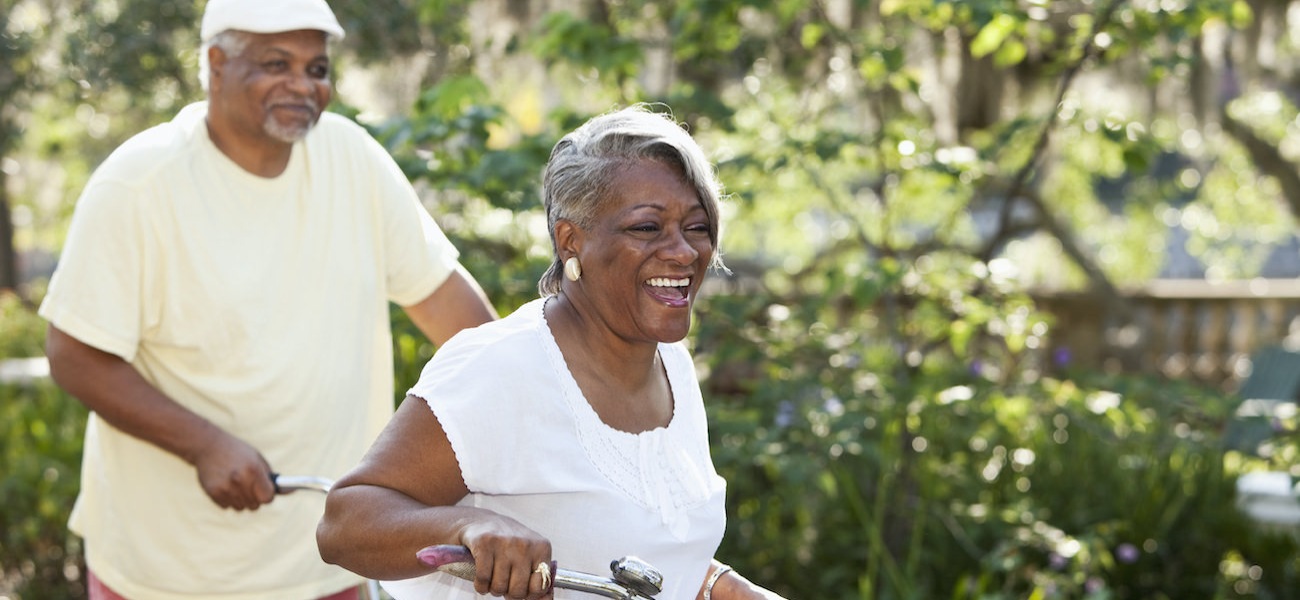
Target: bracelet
<point x="713" y="578"/>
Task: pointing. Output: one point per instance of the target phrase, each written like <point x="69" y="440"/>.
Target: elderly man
<point x="221" y="306"/>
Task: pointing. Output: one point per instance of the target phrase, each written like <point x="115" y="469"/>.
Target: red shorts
<point x="98" y="591"/>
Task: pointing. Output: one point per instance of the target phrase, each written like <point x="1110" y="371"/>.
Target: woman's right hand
<point x="508" y="559"/>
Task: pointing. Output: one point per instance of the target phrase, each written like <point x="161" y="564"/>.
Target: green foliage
<point x="379" y="29"/>
<point x="40" y="456"/>
<point x="575" y="40"/>
<point x="996" y="38"/>
<point x="904" y="442"/>
<point x="411" y="350"/>
<point x="18" y="67"/>
<point x="1236" y="217"/>
<point x="133" y="44"/>
<point x="22" y="332"/>
<point x="484" y="189"/>
<point x="447" y="141"/>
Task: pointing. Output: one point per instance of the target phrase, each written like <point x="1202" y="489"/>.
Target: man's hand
<point x="234" y="474"/>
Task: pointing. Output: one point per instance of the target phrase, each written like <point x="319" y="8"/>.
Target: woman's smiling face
<point x="646" y="252"/>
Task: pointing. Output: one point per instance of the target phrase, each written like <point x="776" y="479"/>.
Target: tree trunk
<point x="8" y="254"/>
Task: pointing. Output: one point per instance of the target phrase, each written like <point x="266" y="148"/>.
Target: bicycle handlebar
<point x="633" y="578"/>
<point x="288" y="484"/>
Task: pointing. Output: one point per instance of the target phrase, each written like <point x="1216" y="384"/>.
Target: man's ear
<point x="216" y="65"/>
<point x="568" y="238"/>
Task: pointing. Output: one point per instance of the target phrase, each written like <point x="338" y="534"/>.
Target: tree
<point x="17" y="73"/>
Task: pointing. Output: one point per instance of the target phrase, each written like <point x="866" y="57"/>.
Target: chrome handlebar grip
<point x="288" y="484"/>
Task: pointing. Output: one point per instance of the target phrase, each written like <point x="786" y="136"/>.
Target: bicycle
<point x="630" y="577"/>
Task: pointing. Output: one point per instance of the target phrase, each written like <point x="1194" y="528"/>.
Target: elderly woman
<point x="572" y="430"/>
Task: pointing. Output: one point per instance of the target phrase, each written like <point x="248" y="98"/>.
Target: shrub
<point x="871" y="453"/>
<point x="40" y="455"/>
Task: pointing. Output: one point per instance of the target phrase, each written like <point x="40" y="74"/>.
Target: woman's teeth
<point x="666" y="282"/>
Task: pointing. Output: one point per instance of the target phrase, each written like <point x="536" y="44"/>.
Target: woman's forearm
<point x="375" y="532"/>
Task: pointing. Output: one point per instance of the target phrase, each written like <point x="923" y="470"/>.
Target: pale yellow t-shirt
<point x="262" y="305"/>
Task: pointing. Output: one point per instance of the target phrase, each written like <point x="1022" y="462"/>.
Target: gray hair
<point x="583" y="164"/>
<point x="231" y="41"/>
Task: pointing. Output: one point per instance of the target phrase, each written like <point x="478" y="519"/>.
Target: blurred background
<point x="1013" y="300"/>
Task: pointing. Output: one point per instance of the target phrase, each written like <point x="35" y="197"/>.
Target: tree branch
<point x="1018" y="190"/>
<point x="1267" y="158"/>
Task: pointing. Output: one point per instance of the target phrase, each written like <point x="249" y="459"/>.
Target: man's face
<point x="276" y="87"/>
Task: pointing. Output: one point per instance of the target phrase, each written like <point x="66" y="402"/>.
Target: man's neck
<point x="263" y="157"/>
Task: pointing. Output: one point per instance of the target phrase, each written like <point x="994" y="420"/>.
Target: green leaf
<point x="992" y="35"/>
<point x="1011" y="53"/>
<point x="960" y="336"/>
<point x="872" y="68"/>
<point x="449" y="98"/>
<point x="812" y="33"/>
<point x="1242" y="15"/>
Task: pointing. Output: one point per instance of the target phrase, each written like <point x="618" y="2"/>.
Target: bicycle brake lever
<point x="457" y="561"/>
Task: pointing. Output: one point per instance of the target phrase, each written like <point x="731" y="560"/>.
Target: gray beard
<point x="288" y="134"/>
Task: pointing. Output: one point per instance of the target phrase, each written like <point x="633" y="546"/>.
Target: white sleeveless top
<point x="531" y="447"/>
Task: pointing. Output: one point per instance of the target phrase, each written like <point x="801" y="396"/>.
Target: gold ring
<point x="544" y="569"/>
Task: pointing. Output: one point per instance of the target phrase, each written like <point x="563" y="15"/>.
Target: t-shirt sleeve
<point x="420" y="257"/>
<point x="496" y="402"/>
<point x="95" y="294"/>
<point x="467" y="401"/>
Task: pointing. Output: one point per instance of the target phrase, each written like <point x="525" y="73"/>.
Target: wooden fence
<point x="1185" y="329"/>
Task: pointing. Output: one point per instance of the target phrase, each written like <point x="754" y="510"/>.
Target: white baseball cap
<point x="268" y="16"/>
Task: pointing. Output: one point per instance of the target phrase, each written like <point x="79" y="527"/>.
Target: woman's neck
<point x="625" y="382"/>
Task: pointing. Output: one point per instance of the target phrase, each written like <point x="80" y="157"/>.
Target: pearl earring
<point x="572" y="269"/>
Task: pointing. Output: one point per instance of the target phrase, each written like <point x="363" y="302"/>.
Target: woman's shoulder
<point x="477" y="377"/>
<point x="514" y="328"/>
<point x="493" y="347"/>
